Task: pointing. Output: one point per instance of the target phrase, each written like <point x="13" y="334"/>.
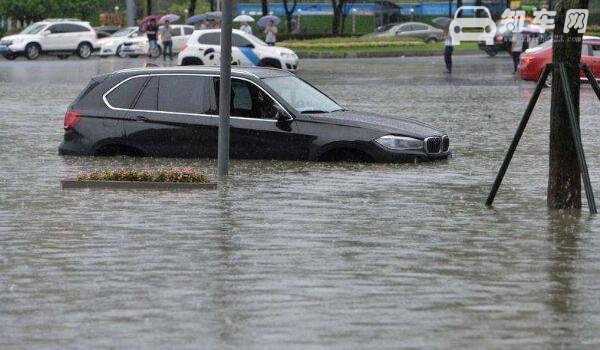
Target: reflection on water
<point x="301" y="255"/>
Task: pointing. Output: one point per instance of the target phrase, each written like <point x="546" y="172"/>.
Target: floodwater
<point x="301" y="255"/>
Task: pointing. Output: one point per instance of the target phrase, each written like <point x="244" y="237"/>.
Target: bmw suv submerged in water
<point x="174" y="112"/>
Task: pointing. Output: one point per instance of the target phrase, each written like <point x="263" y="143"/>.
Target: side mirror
<point x="250" y="46"/>
<point x="282" y="115"/>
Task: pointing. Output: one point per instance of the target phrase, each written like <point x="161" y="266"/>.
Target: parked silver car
<point x="423" y="31"/>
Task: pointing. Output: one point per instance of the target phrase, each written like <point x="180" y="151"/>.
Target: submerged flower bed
<point x="186" y="175"/>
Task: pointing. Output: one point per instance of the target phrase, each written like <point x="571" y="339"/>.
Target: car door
<point x="175" y="115"/>
<point x="178" y="38"/>
<point x="243" y="51"/>
<point x="586" y="57"/>
<point x="255" y="133"/>
<point x="404" y="30"/>
<point x="420" y="31"/>
<point x="72" y="35"/>
<point x="596" y="60"/>
<point x="53" y="37"/>
<point x="210" y="50"/>
<point x="186" y="33"/>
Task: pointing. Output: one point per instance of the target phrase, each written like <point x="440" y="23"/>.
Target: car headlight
<point x="400" y="143"/>
<point x="287" y="55"/>
<point x="6" y="42"/>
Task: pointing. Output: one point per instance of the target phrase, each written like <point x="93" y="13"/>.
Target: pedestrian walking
<point x="516" y="48"/>
<point x="151" y="33"/>
<point x="448" y="49"/>
<point x="271" y="31"/>
<point x="245" y="27"/>
<point x="166" y="39"/>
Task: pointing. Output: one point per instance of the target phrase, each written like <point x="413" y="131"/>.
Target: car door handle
<point x="141" y="118"/>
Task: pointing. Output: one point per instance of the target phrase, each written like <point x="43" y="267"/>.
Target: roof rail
<point x="62" y="20"/>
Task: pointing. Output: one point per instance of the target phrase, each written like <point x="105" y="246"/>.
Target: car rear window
<point x="124" y="95"/>
<point x="210" y="39"/>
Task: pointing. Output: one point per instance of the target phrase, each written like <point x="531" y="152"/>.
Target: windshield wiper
<point x="314" y="111"/>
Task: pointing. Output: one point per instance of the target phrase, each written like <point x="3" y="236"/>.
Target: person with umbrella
<point x="244" y="19"/>
<point x="151" y="33"/>
<point x="271" y="32"/>
<point x="167" y="40"/>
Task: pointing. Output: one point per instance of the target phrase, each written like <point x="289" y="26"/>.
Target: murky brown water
<point x="301" y="255"/>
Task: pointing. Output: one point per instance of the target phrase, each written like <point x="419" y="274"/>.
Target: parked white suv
<point x="113" y="45"/>
<point x="180" y="33"/>
<point x="62" y="37"/>
<point x="204" y="48"/>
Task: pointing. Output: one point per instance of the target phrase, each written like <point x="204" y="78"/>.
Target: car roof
<point x="217" y="30"/>
<point x="254" y="72"/>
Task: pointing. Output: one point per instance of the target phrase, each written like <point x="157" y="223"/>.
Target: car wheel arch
<point x="191" y="61"/>
<point x="270" y="62"/>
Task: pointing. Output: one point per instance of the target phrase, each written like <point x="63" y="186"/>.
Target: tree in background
<point x="265" y="7"/>
<point x="338" y="6"/>
<point x="192" y="7"/>
<point x="564" y="178"/>
<point x="148" y="7"/>
<point x="289" y="12"/>
<point x="35" y="10"/>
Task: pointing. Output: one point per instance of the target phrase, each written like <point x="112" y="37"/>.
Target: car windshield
<point x="300" y="95"/>
<point x="33" y="29"/>
<point x="257" y="40"/>
<point x="122" y="32"/>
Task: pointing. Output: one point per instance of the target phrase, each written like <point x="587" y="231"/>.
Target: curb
<point x="136" y="185"/>
<point x="329" y="55"/>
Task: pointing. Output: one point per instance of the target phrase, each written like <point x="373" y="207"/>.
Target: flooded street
<point x="301" y="255"/>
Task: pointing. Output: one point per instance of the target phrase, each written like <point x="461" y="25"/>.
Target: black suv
<point x="173" y="112"/>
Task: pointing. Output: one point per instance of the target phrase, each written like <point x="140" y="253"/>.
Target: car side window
<point x="586" y="50"/>
<point x="187" y="30"/>
<point x="176" y="31"/>
<point x="249" y="101"/>
<point x="125" y="94"/>
<point x="405" y="28"/>
<point x="186" y="94"/>
<point x="210" y="39"/>
<point x="74" y="28"/>
<point x="419" y="27"/>
<point x="240" y="41"/>
<point x="596" y="50"/>
<point x="148" y="98"/>
<point x="56" y="29"/>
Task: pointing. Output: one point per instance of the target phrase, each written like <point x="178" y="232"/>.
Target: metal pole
<point x="130" y="4"/>
<point x="518" y="134"/>
<point x="224" y="90"/>
<point x="564" y="76"/>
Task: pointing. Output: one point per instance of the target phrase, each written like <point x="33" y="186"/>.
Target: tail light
<point x="71" y="118"/>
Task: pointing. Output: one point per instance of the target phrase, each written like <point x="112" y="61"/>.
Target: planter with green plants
<point x="154" y="179"/>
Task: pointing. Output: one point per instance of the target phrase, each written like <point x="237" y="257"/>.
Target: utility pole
<point x="564" y="178"/>
<point x="130" y="4"/>
<point x="224" y="89"/>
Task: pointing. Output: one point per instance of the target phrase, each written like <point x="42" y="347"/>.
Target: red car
<point x="533" y="60"/>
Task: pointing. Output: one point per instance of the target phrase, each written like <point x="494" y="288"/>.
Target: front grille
<point x="5" y="42"/>
<point x="433" y="145"/>
<point x="445" y="143"/>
